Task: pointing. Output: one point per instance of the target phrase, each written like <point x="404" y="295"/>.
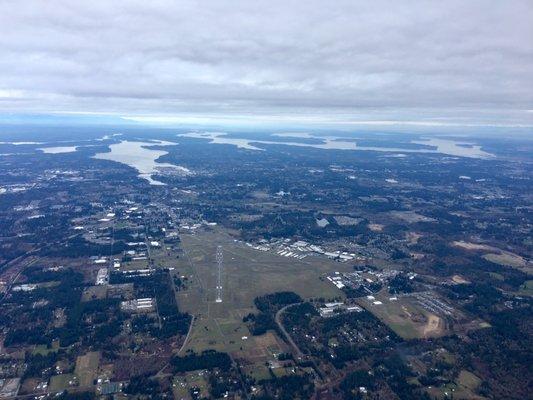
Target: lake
<point x="143" y="159"/>
<point x="443" y="146"/>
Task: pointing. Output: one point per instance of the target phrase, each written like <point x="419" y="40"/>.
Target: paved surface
<point x="285" y="333"/>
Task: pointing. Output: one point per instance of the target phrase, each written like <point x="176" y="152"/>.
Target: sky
<point x="341" y="63"/>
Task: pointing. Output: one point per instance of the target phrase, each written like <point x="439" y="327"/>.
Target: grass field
<point x="506" y="258"/>
<point x="257" y="372"/>
<point x="468" y="380"/>
<point x="87" y="368"/>
<point x="248" y="273"/>
<point x="182" y="384"/>
<point x="61" y="382"/>
<point x="462" y="389"/>
<point x="498" y="256"/>
<point x="42" y="350"/>
<point x="134" y="265"/>
<point x="527" y="288"/>
<point x="94" y="293"/>
<point x="406" y="318"/>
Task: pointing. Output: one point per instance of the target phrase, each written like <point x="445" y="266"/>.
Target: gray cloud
<point x="439" y="62"/>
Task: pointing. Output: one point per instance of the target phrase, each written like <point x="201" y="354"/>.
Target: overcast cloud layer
<point x="450" y="62"/>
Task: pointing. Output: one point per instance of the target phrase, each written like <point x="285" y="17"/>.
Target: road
<point x="186" y="337"/>
<point x="31" y="262"/>
<point x="285" y="333"/>
<point x="14" y="280"/>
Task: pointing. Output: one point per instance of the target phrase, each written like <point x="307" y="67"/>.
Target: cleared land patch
<point x="497" y="256"/>
<point x="87" y="368"/>
<point x="506" y="258"/>
<point x="471" y="246"/>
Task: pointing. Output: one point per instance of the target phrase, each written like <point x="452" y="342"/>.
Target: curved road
<point x="186" y="337"/>
<point x="285" y="333"/>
